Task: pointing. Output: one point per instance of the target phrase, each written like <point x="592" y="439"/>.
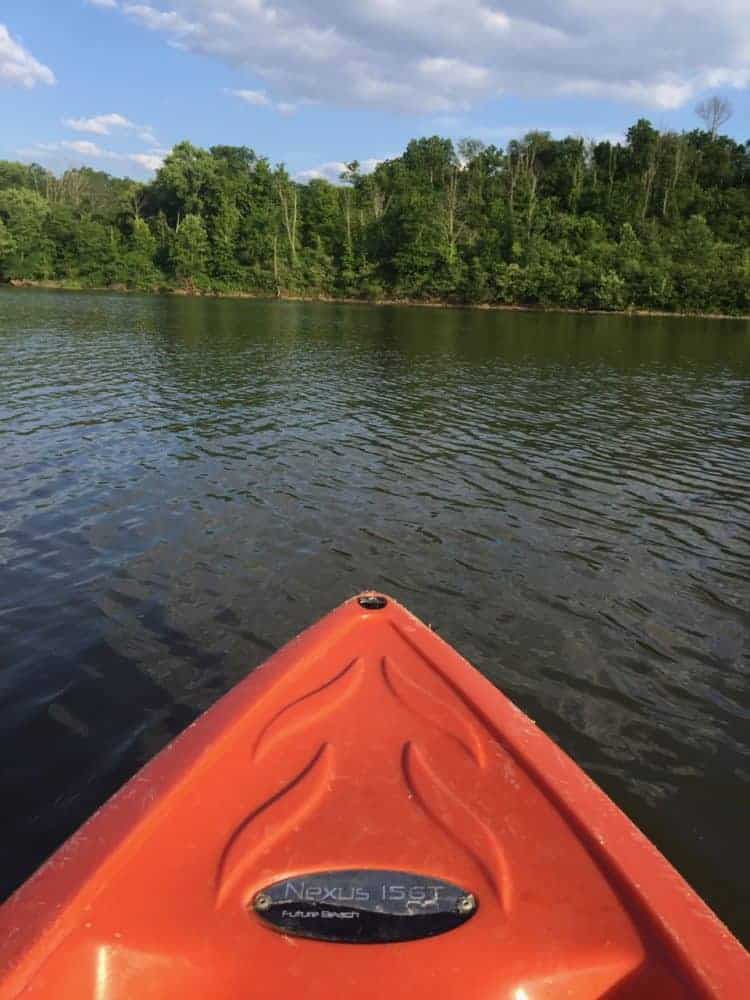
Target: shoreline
<point x="60" y="286"/>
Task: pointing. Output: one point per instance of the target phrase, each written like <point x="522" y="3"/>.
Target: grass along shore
<point x="70" y="286"/>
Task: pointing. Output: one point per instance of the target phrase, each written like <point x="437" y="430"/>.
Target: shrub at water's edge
<point x="660" y="222"/>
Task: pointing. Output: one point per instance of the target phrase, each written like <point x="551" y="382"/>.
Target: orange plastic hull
<point x="367" y="742"/>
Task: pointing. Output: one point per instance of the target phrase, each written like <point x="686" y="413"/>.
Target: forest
<point x="658" y="222"/>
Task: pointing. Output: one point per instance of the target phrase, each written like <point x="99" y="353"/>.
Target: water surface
<point x="185" y="484"/>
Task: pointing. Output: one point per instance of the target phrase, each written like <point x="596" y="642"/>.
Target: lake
<point x="187" y="483"/>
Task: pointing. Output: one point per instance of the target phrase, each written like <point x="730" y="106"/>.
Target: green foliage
<point x="24" y="213"/>
<point x="139" y="269"/>
<point x="98" y="253"/>
<point x="185" y="182"/>
<point x="660" y="221"/>
<point x="19" y="175"/>
<point x="190" y="254"/>
<point x="7" y="245"/>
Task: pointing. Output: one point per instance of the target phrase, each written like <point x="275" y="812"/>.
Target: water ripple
<point x="186" y="484"/>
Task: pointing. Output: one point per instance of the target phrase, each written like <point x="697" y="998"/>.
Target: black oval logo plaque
<point x="364" y="906"/>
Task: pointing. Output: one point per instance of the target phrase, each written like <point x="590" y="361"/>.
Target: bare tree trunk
<point x="137" y="198"/>
<point x="276" y="264"/>
<point x="612" y="169"/>
<point x="290" y="221"/>
<point x="348" y="218"/>
<point x="649" y="177"/>
<point x="523" y="167"/>
<point x="648" y="183"/>
<point x="576" y="183"/>
<point x="380" y="204"/>
<point x="671" y="187"/>
<point x="451" y="206"/>
<point x="69" y="188"/>
<point x="532" y="203"/>
<point x="294" y="226"/>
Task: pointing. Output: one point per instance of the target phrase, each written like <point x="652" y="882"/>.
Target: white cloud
<point x="102" y="3"/>
<point x="323" y="172"/>
<point x="84" y="147"/>
<point x="146" y="134"/>
<point x="260" y="99"/>
<point x="332" y="170"/>
<point x="149" y="161"/>
<point x="100" y="124"/>
<point x="460" y="74"/>
<point x="82" y="151"/>
<point x="158" y="20"/>
<point x="17" y="65"/>
<point x="667" y="94"/>
<point x="41" y="147"/>
<point x="444" y="56"/>
<point x="106" y="124"/>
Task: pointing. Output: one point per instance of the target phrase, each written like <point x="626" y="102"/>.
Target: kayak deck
<point x="365" y="744"/>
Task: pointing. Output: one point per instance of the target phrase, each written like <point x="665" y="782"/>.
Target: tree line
<point x="659" y="221"/>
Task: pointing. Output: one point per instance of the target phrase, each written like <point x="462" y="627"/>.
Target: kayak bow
<point x="364" y="816"/>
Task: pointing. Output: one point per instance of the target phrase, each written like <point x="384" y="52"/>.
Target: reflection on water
<point x="186" y="484"/>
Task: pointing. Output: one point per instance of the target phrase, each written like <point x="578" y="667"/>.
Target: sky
<point x="317" y="83"/>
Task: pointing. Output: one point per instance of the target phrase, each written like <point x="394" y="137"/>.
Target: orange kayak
<point x="364" y="816"/>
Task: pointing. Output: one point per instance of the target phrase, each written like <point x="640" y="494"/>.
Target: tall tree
<point x="714" y="112"/>
<point x="191" y="253"/>
<point x="24" y="213"/>
<point x="7" y="246"/>
<point x="661" y="220"/>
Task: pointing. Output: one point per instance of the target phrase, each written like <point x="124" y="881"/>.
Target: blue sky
<point x="314" y="83"/>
